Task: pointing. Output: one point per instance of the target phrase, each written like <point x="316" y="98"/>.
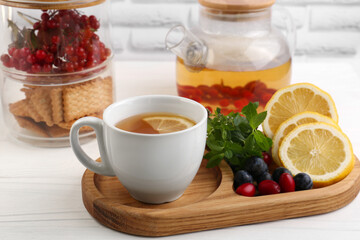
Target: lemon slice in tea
<point x="168" y="124"/>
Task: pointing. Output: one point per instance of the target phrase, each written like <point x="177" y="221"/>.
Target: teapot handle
<point x="287" y="26"/>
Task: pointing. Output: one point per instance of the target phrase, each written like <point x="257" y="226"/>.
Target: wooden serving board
<point x="208" y="203"/>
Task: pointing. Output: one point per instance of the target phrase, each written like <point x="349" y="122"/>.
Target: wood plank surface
<point x="208" y="203"/>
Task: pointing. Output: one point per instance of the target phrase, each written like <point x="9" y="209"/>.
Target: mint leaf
<point x="228" y="154"/>
<point x="224" y="134"/>
<point x="257" y="120"/>
<point x="237" y="120"/>
<point x="262" y="141"/>
<point x="215" y="160"/>
<point x="250" y="111"/>
<point x="235" y="137"/>
<point x="234" y="160"/>
<point x="236" y="148"/>
<point x="214" y="145"/>
<point x="211" y="154"/>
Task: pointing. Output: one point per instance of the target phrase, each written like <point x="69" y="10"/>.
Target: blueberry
<point x="242" y="177"/>
<point x="264" y="176"/>
<point x="255" y="166"/>
<point x="302" y="182"/>
<point x="277" y="173"/>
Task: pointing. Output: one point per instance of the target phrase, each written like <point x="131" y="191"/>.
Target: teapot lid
<point x="237" y="5"/>
<point x="51" y="4"/>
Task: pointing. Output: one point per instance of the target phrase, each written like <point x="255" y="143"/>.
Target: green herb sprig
<point x="235" y="137"/>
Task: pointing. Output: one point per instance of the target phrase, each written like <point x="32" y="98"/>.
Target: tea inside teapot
<point x="232" y="56"/>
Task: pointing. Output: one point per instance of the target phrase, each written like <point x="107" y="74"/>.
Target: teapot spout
<point x="187" y="46"/>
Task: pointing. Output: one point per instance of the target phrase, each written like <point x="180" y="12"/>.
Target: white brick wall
<point x="324" y="27"/>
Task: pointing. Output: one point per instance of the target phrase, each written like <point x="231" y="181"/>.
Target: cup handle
<point x="103" y="167"/>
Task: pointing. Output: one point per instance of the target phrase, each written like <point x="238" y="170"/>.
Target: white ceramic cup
<point x="154" y="168"/>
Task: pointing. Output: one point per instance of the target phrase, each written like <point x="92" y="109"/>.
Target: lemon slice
<point x="294" y="99"/>
<point x="290" y="124"/>
<point x="319" y="149"/>
<point x="168" y="124"/>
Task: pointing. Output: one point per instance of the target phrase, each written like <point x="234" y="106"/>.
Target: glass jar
<point x="56" y="66"/>
<point x="233" y="55"/>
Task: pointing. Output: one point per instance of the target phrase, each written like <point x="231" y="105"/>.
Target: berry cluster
<point x="256" y="170"/>
<point x="63" y="41"/>
<point x="227" y="98"/>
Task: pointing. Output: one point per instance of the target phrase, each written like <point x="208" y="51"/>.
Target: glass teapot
<point x="233" y="55"/>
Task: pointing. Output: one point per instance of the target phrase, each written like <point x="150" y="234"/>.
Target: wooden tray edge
<point x="224" y="208"/>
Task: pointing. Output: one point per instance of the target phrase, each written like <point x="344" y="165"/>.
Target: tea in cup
<point x="155" y="167"/>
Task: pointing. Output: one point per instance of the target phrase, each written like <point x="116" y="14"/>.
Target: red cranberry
<point x="226" y="90"/>
<point x="73" y="59"/>
<point x="249" y="95"/>
<point x="95" y="36"/>
<point x="45" y="16"/>
<point x="242" y="102"/>
<point x="23" y="65"/>
<point x="265" y="97"/>
<point x="287" y="183"/>
<point x="37" y="25"/>
<point x="16" y="54"/>
<point x="91" y="57"/>
<point x="65" y="25"/>
<point x="69" y="50"/>
<point x="36" y="68"/>
<point x="255" y="86"/>
<point x="14" y="63"/>
<point x="11" y="51"/>
<point x="40" y="54"/>
<point x="24" y="52"/>
<point x="31" y="59"/>
<point x="225" y="111"/>
<point x="267" y="158"/>
<point x="108" y="52"/>
<point x="246" y="189"/>
<point x="69" y="67"/>
<point x="63" y="12"/>
<point x="267" y="187"/>
<point x="5" y="58"/>
<point x="88" y="33"/>
<point x="209" y="108"/>
<point x="49" y="58"/>
<point x="53" y="48"/>
<point x="51" y="24"/>
<point x="234" y="92"/>
<point x="80" y="51"/>
<point x="46" y="68"/>
<point x="95" y="24"/>
<point x="57" y="18"/>
<point x="45" y="47"/>
<point x="66" y="18"/>
<point x="213" y="92"/>
<point x="92" y="18"/>
<point x="84" y="20"/>
<point x="55" y="39"/>
<point x="224" y="102"/>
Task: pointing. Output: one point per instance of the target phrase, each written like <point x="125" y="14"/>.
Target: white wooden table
<point x="40" y="192"/>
